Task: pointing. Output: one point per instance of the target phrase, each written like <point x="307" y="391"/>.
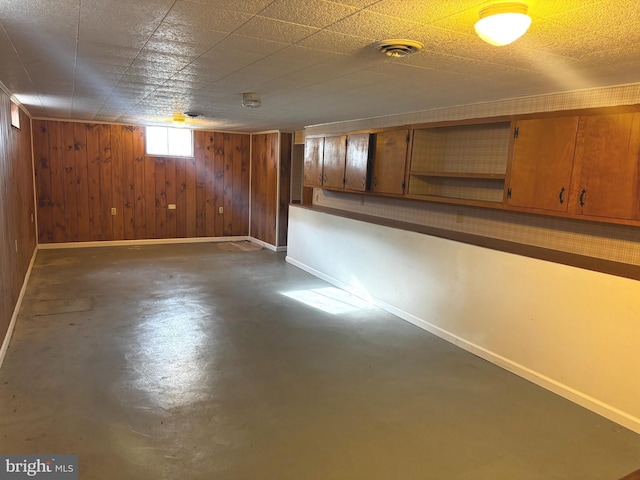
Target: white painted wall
<point x="573" y="331"/>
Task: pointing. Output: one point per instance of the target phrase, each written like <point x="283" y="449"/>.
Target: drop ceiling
<point x="139" y="61"/>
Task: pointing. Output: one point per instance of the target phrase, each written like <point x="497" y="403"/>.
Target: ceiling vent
<point x="397" y="47"/>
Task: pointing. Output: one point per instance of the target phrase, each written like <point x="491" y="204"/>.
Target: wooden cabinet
<point x="542" y="163"/>
<point x="335" y="149"/>
<point x="357" y="168"/>
<point x="588" y="165"/>
<point x="460" y="162"/>
<point x="389" y="161"/>
<point x="606" y="179"/>
<point x="338" y="162"/>
<point x="585" y="165"/>
<point x="313" y="161"/>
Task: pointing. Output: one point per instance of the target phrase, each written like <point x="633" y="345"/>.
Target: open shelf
<point x="464" y="162"/>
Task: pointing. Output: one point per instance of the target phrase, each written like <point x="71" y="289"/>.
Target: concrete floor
<point x="188" y="362"/>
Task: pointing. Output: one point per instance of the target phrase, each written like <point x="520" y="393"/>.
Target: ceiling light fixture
<point x="179" y="119"/>
<point x="503" y="23"/>
<point x="251" y="100"/>
<point x="397" y="47"/>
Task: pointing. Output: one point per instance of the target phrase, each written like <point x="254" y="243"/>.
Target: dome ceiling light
<point x="179" y="119"/>
<point x="251" y="100"/>
<point x="398" y="47"/>
<point x="503" y="23"/>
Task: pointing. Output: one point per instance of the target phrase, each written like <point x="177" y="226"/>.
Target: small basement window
<point x="171" y="142"/>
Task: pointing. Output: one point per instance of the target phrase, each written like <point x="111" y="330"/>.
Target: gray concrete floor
<point x="187" y="362"/>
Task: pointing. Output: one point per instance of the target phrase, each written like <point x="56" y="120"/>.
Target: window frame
<point x="168" y="145"/>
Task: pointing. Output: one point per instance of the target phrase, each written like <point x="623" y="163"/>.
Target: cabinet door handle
<point x="320" y="178"/>
<point x="582" y="194"/>
<point x="375" y="181"/>
<point x="561" y="195"/>
<point x="364" y="183"/>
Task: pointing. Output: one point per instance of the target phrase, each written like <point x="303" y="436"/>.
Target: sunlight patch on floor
<point x="329" y="299"/>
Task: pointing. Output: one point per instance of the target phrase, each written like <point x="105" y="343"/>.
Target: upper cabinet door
<point x="359" y="148"/>
<point x="389" y="161"/>
<point x="313" y="157"/>
<point x="542" y="162"/>
<point x="335" y="149"/>
<point x="607" y="166"/>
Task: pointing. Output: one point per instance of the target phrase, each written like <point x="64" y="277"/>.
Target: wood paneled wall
<point x="270" y="187"/>
<point x="17" y="227"/>
<point x="85" y="170"/>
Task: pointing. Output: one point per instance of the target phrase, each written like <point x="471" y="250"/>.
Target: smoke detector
<point x="251" y="100"/>
<point x="398" y="47"/>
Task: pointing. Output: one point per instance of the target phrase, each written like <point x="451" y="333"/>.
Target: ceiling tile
<point x="374" y="26"/>
<point x="425" y="13"/>
<point x="328" y="41"/>
<point x="53" y="17"/>
<point x="315" y="13"/>
<point x="250" y="44"/>
<point x="275" y="30"/>
<point x="204" y="17"/>
<point x="244" y="6"/>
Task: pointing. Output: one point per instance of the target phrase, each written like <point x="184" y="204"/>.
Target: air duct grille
<point x="397" y="47"/>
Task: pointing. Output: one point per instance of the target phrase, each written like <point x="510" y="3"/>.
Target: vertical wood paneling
<point x="56" y="169"/>
<point x="210" y="184"/>
<point x="191" y="194"/>
<point x="117" y="187"/>
<point x="70" y="185"/>
<point x="245" y="172"/>
<point x="138" y="180"/>
<point x="128" y="184"/>
<point x="268" y="210"/>
<point x="228" y="177"/>
<point x="201" y="180"/>
<point x="82" y="180"/>
<point x="17" y="230"/>
<point x="170" y="189"/>
<point x="271" y="191"/>
<point x="286" y="142"/>
<point x="93" y="167"/>
<point x="150" y="195"/>
<point x="161" y="197"/>
<point x="43" y="181"/>
<point x="258" y="186"/>
<point x="106" y="180"/>
<point x="181" y="198"/>
<point x="218" y="184"/>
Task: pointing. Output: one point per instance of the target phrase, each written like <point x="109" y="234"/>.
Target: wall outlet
<point x="113" y="211"/>
<point x="171" y="206"/>
<point x="220" y="209"/>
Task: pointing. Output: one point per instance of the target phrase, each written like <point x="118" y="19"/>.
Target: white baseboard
<point x="14" y="317"/>
<point x="582" y="399"/>
<point x="153" y="241"/>
<point x="268" y="246"/>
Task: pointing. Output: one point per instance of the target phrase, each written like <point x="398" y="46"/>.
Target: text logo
<point x="46" y="467"/>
